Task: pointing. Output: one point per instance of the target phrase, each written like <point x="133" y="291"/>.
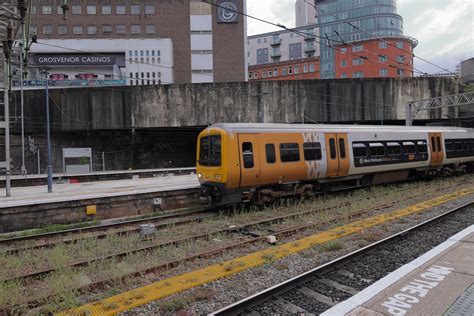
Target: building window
<point x="343" y="63"/>
<point x="135" y="9"/>
<point x="270" y="73"/>
<point x="259" y="41"/>
<point x="290" y="70"/>
<point x="400" y="72"/>
<point x="383" y="58"/>
<point x="136" y="29"/>
<point x="59" y="10"/>
<point x="343" y="50"/>
<point x="47" y="29"/>
<point x="33" y="9"/>
<point x="77" y="30"/>
<point x="264" y="74"/>
<point x="343" y="75"/>
<point x="62" y="29"/>
<point x="255" y="75"/>
<point x="400" y="45"/>
<point x="121" y="29"/>
<point x="106" y="29"/>
<point x="311" y="67"/>
<point x="275" y="72"/>
<point x="91" y="29"/>
<point x="250" y="75"/>
<point x="357" y="61"/>
<point x="106" y="9"/>
<point x="400" y="58"/>
<point x="382" y="44"/>
<point x="150" y="29"/>
<point x="283" y="71"/>
<point x="296" y="69"/>
<point x="33" y="29"/>
<point x="357" y="48"/>
<point x="150" y="10"/>
<point x="305" y="68"/>
<point x="76" y="9"/>
<point x="46" y="9"/>
<point x="91" y="9"/>
<point x="358" y="74"/>
<point x="120" y="10"/>
<point x="383" y="72"/>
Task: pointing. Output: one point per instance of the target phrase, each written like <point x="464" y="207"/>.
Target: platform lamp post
<point x="48" y="133"/>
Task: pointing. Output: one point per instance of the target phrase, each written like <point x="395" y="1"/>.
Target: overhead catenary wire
<point x="380" y="38"/>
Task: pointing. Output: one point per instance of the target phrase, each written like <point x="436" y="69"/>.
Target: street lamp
<point x="48" y="133"/>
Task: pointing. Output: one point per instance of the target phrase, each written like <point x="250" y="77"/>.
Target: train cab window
<point x="270" y="153"/>
<point x="458" y="145"/>
<point x="409" y="148"/>
<point x="377" y="150"/>
<point x="312" y="151"/>
<point x="247" y="153"/>
<point x="422" y="147"/>
<point x="359" y="150"/>
<point x="438" y="140"/>
<point x="449" y="145"/>
<point x="289" y="152"/>
<point x="342" y="148"/>
<point x="210" y="151"/>
<point x="394" y="149"/>
<point x="433" y="145"/>
<point x="332" y="148"/>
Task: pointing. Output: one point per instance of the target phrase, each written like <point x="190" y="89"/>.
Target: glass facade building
<point x="369" y="18"/>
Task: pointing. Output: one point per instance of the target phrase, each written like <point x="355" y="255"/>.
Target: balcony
<point x="309" y="50"/>
<point x="310" y="38"/>
<point x="275" y="43"/>
<point x="276" y="55"/>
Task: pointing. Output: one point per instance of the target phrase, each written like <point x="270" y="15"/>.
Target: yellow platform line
<point x="179" y="283"/>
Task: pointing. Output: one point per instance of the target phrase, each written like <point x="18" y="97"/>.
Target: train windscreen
<point x="210" y="151"/>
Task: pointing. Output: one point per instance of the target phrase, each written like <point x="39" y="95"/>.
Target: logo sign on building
<point x="227" y="11"/>
<point x="74" y="60"/>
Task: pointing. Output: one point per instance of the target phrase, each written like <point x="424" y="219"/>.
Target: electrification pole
<point x="48" y="135"/>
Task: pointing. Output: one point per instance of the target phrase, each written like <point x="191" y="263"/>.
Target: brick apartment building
<point x="142" y="42"/>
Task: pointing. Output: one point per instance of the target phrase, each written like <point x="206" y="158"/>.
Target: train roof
<point x="277" y="127"/>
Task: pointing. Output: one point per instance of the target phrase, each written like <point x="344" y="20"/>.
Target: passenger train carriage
<point x="262" y="162"/>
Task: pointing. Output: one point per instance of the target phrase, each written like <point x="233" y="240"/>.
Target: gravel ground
<point x="246" y="283"/>
<point x="363" y="271"/>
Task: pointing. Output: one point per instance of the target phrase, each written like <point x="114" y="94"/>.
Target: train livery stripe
<point x="176" y="284"/>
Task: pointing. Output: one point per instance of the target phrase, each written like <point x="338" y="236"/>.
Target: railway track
<point x="318" y="290"/>
<point x="247" y="239"/>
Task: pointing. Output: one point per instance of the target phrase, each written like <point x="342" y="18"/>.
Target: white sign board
<point x="75" y="168"/>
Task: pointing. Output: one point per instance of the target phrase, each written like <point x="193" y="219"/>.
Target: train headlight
<point x="218" y="177"/>
<point x="199" y="175"/>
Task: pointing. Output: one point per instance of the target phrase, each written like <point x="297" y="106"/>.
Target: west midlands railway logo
<point x="227" y="12"/>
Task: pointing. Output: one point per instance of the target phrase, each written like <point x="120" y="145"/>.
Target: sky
<point x="444" y="28"/>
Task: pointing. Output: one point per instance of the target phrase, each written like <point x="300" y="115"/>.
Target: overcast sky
<point x="444" y="28"/>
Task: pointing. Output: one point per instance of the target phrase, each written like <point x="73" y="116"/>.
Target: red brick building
<point x="307" y="68"/>
<point x="371" y="58"/>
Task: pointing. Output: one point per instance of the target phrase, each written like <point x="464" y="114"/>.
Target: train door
<point x="249" y="160"/>
<point x="337" y="154"/>
<point x="436" y="149"/>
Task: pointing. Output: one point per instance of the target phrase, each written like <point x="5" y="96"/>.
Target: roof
<point x="265" y="127"/>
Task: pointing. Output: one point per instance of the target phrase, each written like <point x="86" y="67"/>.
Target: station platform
<point x="32" y="207"/>
<point x="39" y="179"/>
<point x="440" y="282"/>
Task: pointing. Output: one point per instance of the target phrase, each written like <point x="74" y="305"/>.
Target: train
<point x="260" y="163"/>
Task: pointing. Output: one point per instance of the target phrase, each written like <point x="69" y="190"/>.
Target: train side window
<point x="247" y="152"/>
<point x="439" y="143"/>
<point x="342" y="148"/>
<point x="377" y="150"/>
<point x="394" y="149"/>
<point x="433" y="145"/>
<point x="359" y="150"/>
<point x="449" y="145"/>
<point x="458" y="145"/>
<point x="409" y="147"/>
<point x="465" y="145"/>
<point x="270" y="153"/>
<point x="422" y="147"/>
<point x="332" y="148"/>
<point x="289" y="152"/>
<point x="312" y="151"/>
<point x="472" y="145"/>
